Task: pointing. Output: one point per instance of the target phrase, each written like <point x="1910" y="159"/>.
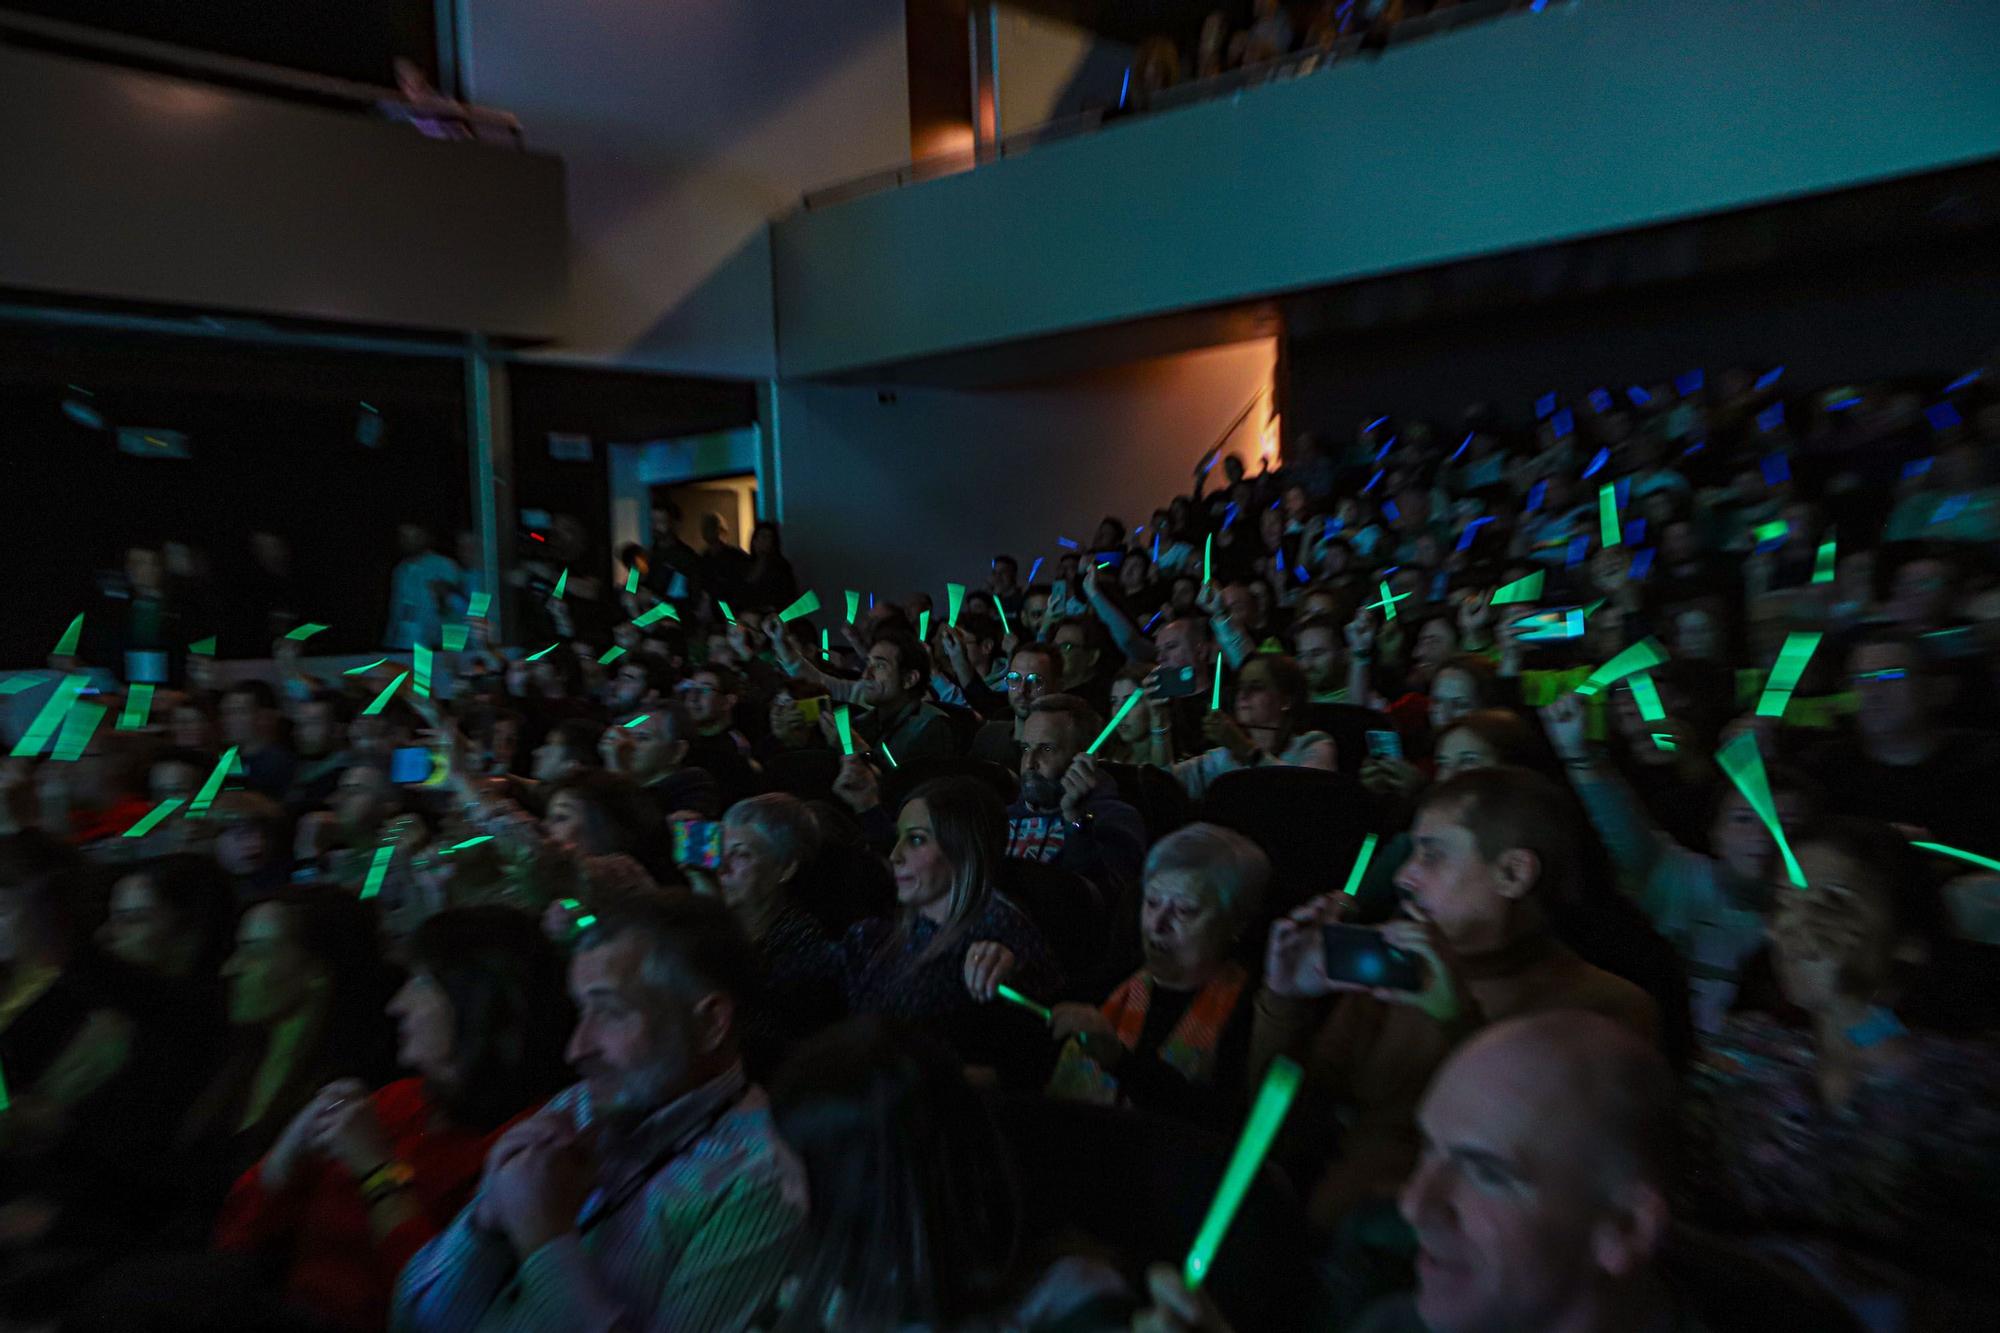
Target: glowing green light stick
<point x="1123" y="709"/>
<point x="954" y="599"/>
<point x="890" y="757"/>
<point x="1825" y="562"/>
<point x="562" y="584"/>
<point x="1012" y="996"/>
<point x="455" y="637"/>
<point x="1215" y="694"/>
<point x="422" y="657"/>
<point x="1208" y="561"/>
<point x="1568" y="626"/>
<point x="378" y="870"/>
<point x="16" y="684"/>
<point x="1360" y="865"/>
<point x="727" y="614"/>
<point x="66" y="646"/>
<point x="805" y="606"/>
<point x="203" y="647"/>
<point x="1388" y="602"/>
<point x="4" y="1103"/>
<point x="51" y="715"/>
<point x="536" y="657"/>
<point x="1940" y="849"/>
<point x="1664" y="740"/>
<point x="153" y="818"/>
<point x="638" y="721"/>
<point x="1280" y="1085"/>
<point x="611" y="654"/>
<point x="305" y="631"/>
<point x="364" y="670"/>
<point x="632" y="579"/>
<point x="845" y="725"/>
<point x="1745" y="767"/>
<point x="475" y="605"/>
<point x="79" y="725"/>
<point x="1776" y="530"/>
<point x="1647" y="696"/>
<point x="853" y="605"/>
<point x="1792" y="659"/>
<point x="661" y="612"/>
<point x="825" y="645"/>
<point x="138" y="708"/>
<point x="924" y="626"/>
<point x="209" y="789"/>
<point x="1005" y="628"/>
<point x="388" y="693"/>
<point x="469" y="842"/>
<point x="1610" y="528"/>
<point x="1641" y="656"/>
<point x="1527" y="589"/>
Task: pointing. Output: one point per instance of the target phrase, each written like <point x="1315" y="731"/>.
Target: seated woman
<point x="1462" y="686"/>
<point x="1851" y="1142"/>
<point x="953" y="937"/>
<point x="916" y="1218"/>
<point x="1271" y="699"/>
<point x="306" y="994"/>
<point x="358" y="1182"/>
<point x="1176" y="1036"/>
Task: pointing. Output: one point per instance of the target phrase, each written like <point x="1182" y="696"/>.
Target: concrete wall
<point x="685" y="127"/>
<point x="1517" y="132"/>
<point x="878" y="486"/>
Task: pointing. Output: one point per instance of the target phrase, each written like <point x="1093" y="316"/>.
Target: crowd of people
<point x="721" y="957"/>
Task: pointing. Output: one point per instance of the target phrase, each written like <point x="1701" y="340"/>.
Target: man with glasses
<point x="710" y="696"/>
<point x="1902" y="765"/>
<point x="1032" y="673"/>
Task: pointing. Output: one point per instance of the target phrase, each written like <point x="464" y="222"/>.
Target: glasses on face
<point x="1029" y="681"/>
<point x="691" y="689"/>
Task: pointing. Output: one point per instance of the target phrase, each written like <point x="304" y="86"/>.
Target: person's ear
<point x="1516" y="870"/>
<point x="790" y="871"/>
<point x="1630" y="1233"/>
<point x="714" y="1016"/>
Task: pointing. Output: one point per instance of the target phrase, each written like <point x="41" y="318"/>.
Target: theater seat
<point x="1162" y="803"/>
<point x="806" y="774"/>
<point x="1349" y="725"/>
<point x="1067" y="909"/>
<point x="897" y="783"/>
<point x="1140" y="1185"/>
<point x="1310" y="822"/>
<point x="1733" y="1289"/>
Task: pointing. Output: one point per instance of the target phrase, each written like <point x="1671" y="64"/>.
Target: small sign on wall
<point x="565" y="447"/>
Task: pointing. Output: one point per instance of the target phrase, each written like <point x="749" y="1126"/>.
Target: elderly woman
<point x="1175" y="1037"/>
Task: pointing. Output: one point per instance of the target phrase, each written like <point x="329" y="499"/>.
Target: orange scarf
<point x="1190" y="1048"/>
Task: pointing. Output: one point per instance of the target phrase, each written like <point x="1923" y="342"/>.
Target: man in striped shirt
<point x="655" y="1194"/>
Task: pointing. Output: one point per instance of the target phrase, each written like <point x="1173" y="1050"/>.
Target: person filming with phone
<point x="1473" y="945"/>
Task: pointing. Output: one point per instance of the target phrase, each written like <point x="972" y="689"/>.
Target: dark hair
<point x="50" y="876"/>
<point x="982" y="627"/>
<point x="970" y="826"/>
<point x="777" y="535"/>
<point x="694" y="945"/>
<point x="343" y="706"/>
<point x="1289" y="679"/>
<point x="1485" y="680"/>
<point x="343" y="935"/>
<point x="911" y="655"/>
<point x="511" y="1014"/>
<point x="481" y="723"/>
<point x="617" y="811"/>
<point x="259" y="690"/>
<point x="1046" y="651"/>
<point x="916" y="1213"/>
<point x="198" y="895"/>
<point x="1916" y="909"/>
<point x="579" y="736"/>
<point x="1508" y="808"/>
<point x="659" y="676"/>
<point x="1512" y="741"/>
<point x="1325" y="622"/>
<point x="726" y="679"/>
<point x="1007" y="560"/>
<point x="1082" y="717"/>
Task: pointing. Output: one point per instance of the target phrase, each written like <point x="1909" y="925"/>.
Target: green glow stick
<point x="1959" y="852"/>
<point x="1641" y="656"/>
<point x="632" y="579"/>
<point x="52" y="713"/>
<point x="305" y="631"/>
<point x="1745" y="767"/>
<point x="536" y="657"/>
<point x="364" y="670"/>
<point x="1773" y="531"/>
<point x="611" y="654"/>
<point x="825" y="645"/>
<point x="1610" y="529"/>
<point x="1792" y="659"/>
<point x="469" y="842"/>
<point x="1388" y="602"/>
<point x="562" y="583"/>
<point x="584" y="922"/>
<point x="1664" y="740"/>
<point x="1569" y="627"/>
<point x="16" y="684"/>
<point x="727" y="614"/>
<point x="66" y="646"/>
<point x="805" y="606"/>
<point x="638" y="721"/>
<point x="203" y="647"/>
<point x="1215" y="695"/>
<point x="378" y="870"/>
<point x="1208" y="561"/>
<point x="138" y="708"/>
<point x="455" y="637"/>
<point x="78" y="726"/>
<point x="924" y="626"/>
<point x="1280" y="1085"/>
<point x="4" y="1103"/>
<point x="853" y="605"/>
<point x="1360" y="865"/>
<point x="1005" y="628"/>
<point x="206" y="796"/>
<point x="954" y="599"/>
<point x="1012" y="996"/>
<point x="1647" y="696"/>
<point x="388" y="693"/>
<point x="152" y="818"/>
<point x="475" y="605"/>
<point x="661" y="612"/>
<point x="890" y="757"/>
<point x="422" y="657"/>
<point x="845" y="725"/>
<point x="1527" y="589"/>
<point x="1825" y="562"/>
<point x="1123" y="709"/>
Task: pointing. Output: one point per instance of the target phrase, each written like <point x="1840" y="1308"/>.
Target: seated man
<point x="1031" y="674"/>
<point x="1069" y="812"/>
<point x="892" y="686"/>
<point x="1489" y="847"/>
<point x="654" y="754"/>
<point x="710" y="695"/>
<point x="654" y="1194"/>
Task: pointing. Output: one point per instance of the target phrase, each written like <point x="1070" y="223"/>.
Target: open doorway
<point x="731" y="500"/>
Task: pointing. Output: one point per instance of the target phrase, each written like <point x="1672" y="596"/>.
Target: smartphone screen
<point x="1384" y="745"/>
<point x="146" y="668"/>
<point x="1357" y="954"/>
<point x="698" y="843"/>
<point x="809" y="709"/>
<point x="1178" y="683"/>
<point x="410" y="765"/>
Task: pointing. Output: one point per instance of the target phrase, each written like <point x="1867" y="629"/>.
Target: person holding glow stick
<point x="1262" y="729"/>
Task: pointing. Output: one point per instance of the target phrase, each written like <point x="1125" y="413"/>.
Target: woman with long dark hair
<point x="769" y="582"/>
<point x="358" y="1182"/>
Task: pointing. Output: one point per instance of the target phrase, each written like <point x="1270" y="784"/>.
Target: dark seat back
<point x="1162" y="803"/>
<point x="899" y="782"/>
<point x="1349" y="726"/>
<point x="1074" y="920"/>
<point x="806" y="774"/>
<point x="1310" y="822"/>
